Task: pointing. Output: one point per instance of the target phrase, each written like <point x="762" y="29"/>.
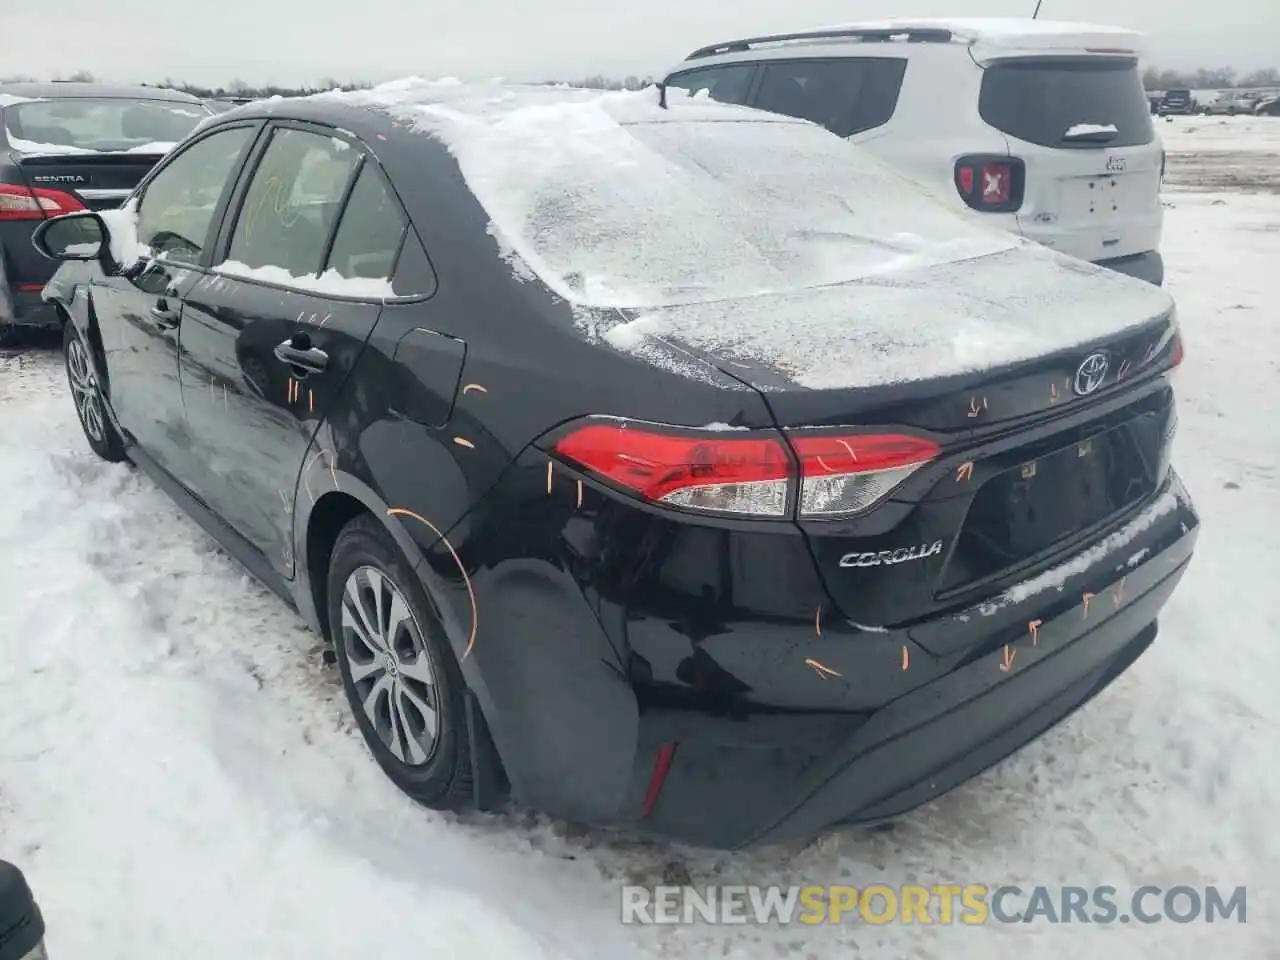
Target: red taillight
<point x="847" y="473"/>
<point x="991" y="183"/>
<point x="35" y="203"/>
<point x="1178" y="352"/>
<point x="701" y="470"/>
<point x="753" y="475"/>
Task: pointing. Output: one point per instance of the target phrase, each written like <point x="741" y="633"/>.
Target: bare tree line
<point x="238" y="88"/>
<point x="1223" y="78"/>
<point x="1153" y="78"/>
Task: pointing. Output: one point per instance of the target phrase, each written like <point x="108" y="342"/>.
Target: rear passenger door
<point x="305" y="262"/>
<point x="848" y="95"/>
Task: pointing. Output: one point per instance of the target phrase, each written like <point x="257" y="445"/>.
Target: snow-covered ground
<point x="1237" y="153"/>
<point x="178" y="777"/>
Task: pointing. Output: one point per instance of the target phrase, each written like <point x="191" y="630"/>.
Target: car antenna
<point x="1037" y="10"/>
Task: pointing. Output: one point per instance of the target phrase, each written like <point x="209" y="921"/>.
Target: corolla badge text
<point x="901" y="555"/>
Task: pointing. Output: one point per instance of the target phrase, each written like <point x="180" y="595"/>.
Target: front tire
<point x="90" y="408"/>
<point x="398" y="670"/>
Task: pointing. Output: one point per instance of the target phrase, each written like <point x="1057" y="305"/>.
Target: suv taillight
<point x="18" y="202"/>
<point x="992" y="184"/>
<point x="754" y="475"/>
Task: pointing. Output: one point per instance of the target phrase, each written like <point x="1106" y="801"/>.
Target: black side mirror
<point x="21" y="926"/>
<point x="73" y="236"/>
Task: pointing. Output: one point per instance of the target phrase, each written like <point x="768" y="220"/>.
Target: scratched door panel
<point x="253" y="417"/>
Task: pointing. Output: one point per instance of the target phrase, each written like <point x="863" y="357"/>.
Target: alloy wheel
<point x="84" y="390"/>
<point x="391" y="668"/>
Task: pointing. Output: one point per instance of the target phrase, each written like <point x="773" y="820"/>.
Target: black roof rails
<point x="912" y="34"/>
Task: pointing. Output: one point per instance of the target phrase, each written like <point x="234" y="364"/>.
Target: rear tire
<point x="399" y="672"/>
<point x="90" y="408"/>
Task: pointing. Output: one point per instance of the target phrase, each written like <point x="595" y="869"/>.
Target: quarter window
<point x="175" y="214"/>
<point x="290" y="207"/>
<point x="370" y="231"/>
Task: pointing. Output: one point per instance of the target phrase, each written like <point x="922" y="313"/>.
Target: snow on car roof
<point x="614" y="201"/>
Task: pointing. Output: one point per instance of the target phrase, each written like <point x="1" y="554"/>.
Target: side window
<point x="822" y="91"/>
<point x="878" y="98"/>
<point x="292" y="202"/>
<point x="414" y="273"/>
<point x="728" y="84"/>
<point x="175" y="214"/>
<point x="370" y="231"/>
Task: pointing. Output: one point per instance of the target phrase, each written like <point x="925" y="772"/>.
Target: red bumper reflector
<point x="661" y="767"/>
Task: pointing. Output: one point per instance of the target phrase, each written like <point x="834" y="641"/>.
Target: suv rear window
<point x="1040" y="99"/>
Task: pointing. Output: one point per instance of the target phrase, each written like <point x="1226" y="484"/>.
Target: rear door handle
<point x="163" y="315"/>
<point x="298" y="353"/>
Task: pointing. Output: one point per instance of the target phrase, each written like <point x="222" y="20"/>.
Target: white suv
<point x="1044" y="127"/>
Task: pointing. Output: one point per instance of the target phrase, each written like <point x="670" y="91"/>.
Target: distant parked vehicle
<point x="1041" y="128"/>
<point x="66" y="147"/>
<point x="1230" y="103"/>
<point x="1177" y="103"/>
<point x="1268" y="108"/>
<point x="225" y="104"/>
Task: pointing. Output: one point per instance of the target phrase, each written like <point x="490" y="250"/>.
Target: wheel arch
<point x="78" y="311"/>
<point x="345" y="499"/>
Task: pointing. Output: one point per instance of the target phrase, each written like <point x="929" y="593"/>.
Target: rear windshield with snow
<point x="1068" y="102"/>
<point x="74" y="125"/>
<point x="662" y="211"/>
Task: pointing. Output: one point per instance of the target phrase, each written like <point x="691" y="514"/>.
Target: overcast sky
<point x="295" y="41"/>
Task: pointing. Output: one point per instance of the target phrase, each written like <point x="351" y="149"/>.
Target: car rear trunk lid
<point x="1037" y="376"/>
<point x="99" y="181"/>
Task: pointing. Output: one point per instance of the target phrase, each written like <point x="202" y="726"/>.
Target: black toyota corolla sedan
<point x="651" y="461"/>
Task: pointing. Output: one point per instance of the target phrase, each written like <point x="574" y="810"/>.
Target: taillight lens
<point x="714" y="471"/>
<point x="698" y="470"/>
<point x="993" y="184"/>
<point x="35" y="203"/>
<point x="847" y="473"/>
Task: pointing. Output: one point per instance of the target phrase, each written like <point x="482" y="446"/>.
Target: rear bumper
<point x="1147" y="266"/>
<point x="615" y="637"/>
<point x="790" y="777"/>
<point x="28" y="310"/>
<point x="23" y="275"/>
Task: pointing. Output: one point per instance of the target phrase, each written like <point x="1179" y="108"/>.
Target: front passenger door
<point x="140" y="310"/>
<point x="315" y="204"/>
